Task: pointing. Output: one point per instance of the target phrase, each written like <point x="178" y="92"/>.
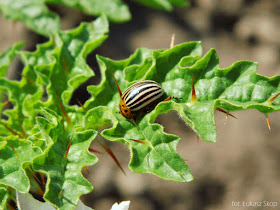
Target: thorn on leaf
<point x="267" y="121"/>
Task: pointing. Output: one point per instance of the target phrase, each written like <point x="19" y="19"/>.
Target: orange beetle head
<point x="125" y="111"/>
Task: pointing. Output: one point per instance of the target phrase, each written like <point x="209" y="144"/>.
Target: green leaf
<point x="7" y="56"/>
<point x="166" y="5"/>
<point x="115" y="10"/>
<point x="6" y="59"/>
<point x="63" y="169"/>
<point x="3" y="197"/>
<point x="33" y="13"/>
<point x="237" y="87"/>
<point x="158" y="156"/>
<point x="66" y="60"/>
<point x="63" y="57"/>
<point x="16" y="156"/>
<point x="36" y="15"/>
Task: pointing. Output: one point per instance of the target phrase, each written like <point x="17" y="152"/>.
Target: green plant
<point x="36" y="15"/>
<point x="41" y="132"/>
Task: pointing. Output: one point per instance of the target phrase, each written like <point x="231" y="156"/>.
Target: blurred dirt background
<point x="244" y="163"/>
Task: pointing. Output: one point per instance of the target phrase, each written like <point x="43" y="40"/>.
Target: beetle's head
<point x="125" y="111"/>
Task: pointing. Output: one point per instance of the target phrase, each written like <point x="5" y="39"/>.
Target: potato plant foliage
<point x="36" y="15"/>
<point x="35" y="130"/>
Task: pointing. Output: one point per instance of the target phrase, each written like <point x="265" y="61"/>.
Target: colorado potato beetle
<point x="139" y="97"/>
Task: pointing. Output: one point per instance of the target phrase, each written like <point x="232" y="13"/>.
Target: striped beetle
<point x="139" y="97"/>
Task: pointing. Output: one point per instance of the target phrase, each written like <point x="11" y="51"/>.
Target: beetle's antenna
<point x="120" y="92"/>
